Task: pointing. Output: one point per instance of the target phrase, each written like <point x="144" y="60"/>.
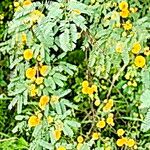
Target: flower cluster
<point x="88" y="90"/>
<point x="124" y="140"/>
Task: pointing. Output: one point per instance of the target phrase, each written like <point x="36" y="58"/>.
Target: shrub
<point x="80" y="74"/>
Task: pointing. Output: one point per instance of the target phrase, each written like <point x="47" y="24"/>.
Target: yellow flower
<point x="94" y="87"/>
<point x="33" y="92"/>
<point x="54" y="99"/>
<point x="127" y="25"/>
<point x="27" y="3"/>
<point x="24" y="38"/>
<point x="140" y="61"/>
<point x="90" y="90"/>
<point x="28" y="54"/>
<point x="44" y="70"/>
<point x="130" y="142"/>
<point x="101" y="124"/>
<point x="124" y="13"/>
<point x="110" y="121"/>
<point x="79" y="145"/>
<point x="146" y="51"/>
<point x="43" y="101"/>
<point x="76" y="11"/>
<point x="120" y="142"/>
<point x="39" y="58"/>
<point x="119" y="47"/>
<point x="97" y="102"/>
<point x="57" y="134"/>
<point x="30" y="73"/>
<point x="33" y="121"/>
<point x="84" y="90"/>
<point x="95" y="136"/>
<point x="50" y="119"/>
<point x="85" y="83"/>
<point x="80" y="139"/>
<point x="61" y="148"/>
<point x="123" y="5"/>
<point x="16" y="4"/>
<point x="36" y="15"/>
<point x="136" y="48"/>
<point x="39" y="80"/>
<point x="120" y="132"/>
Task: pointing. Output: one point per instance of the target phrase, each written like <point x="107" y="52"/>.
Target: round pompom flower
<point x="140" y="61"/>
<point x="28" y="54"/>
<point x="33" y="121"/>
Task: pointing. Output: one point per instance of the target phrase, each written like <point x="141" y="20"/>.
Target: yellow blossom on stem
<point x="50" y="119"/>
<point x="80" y="139"/>
<point x="110" y="121"/>
<point x="140" y="61"/>
<point x="120" y="142"/>
<point x="120" y="132"/>
<point x="119" y="47"/>
<point x="44" y="70"/>
<point x="130" y="142"/>
<point x="27" y="3"/>
<point x="124" y="13"/>
<point x="24" y="38"/>
<point x="54" y="99"/>
<point x="39" y="80"/>
<point x="127" y="25"/>
<point x="16" y="4"/>
<point x="28" y="54"/>
<point x="36" y="15"/>
<point x="85" y="83"/>
<point x="123" y="5"/>
<point x="61" y="148"/>
<point x="94" y="87"/>
<point x="101" y="124"/>
<point x="43" y="101"/>
<point x="95" y="136"/>
<point x="30" y="73"/>
<point x="146" y="51"/>
<point x="79" y="145"/>
<point x="136" y="48"/>
<point x="57" y="134"/>
<point x="97" y="102"/>
<point x="33" y="121"/>
<point x="90" y="90"/>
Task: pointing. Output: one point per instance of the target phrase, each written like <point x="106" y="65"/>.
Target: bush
<point x="79" y="74"/>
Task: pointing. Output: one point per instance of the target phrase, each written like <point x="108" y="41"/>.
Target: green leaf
<point x="67" y="130"/>
<point x="45" y="144"/>
<point x="60" y="76"/>
<point x="145" y="99"/>
<point x="64" y="93"/>
<point x="64" y="40"/>
<point x="58" y="108"/>
<point x="72" y="123"/>
<point x="146" y="123"/>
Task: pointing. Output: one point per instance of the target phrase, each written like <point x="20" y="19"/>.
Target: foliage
<point x="79" y="74"/>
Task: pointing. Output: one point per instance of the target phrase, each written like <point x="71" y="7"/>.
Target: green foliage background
<point x="64" y="52"/>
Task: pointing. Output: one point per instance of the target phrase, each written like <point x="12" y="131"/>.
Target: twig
<point x="3" y="140"/>
<point x="114" y="79"/>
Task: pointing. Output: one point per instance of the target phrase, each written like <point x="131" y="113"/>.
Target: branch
<point x="115" y="77"/>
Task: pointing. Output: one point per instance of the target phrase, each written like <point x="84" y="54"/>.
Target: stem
<point x="115" y="77"/>
<point x="3" y="140"/>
